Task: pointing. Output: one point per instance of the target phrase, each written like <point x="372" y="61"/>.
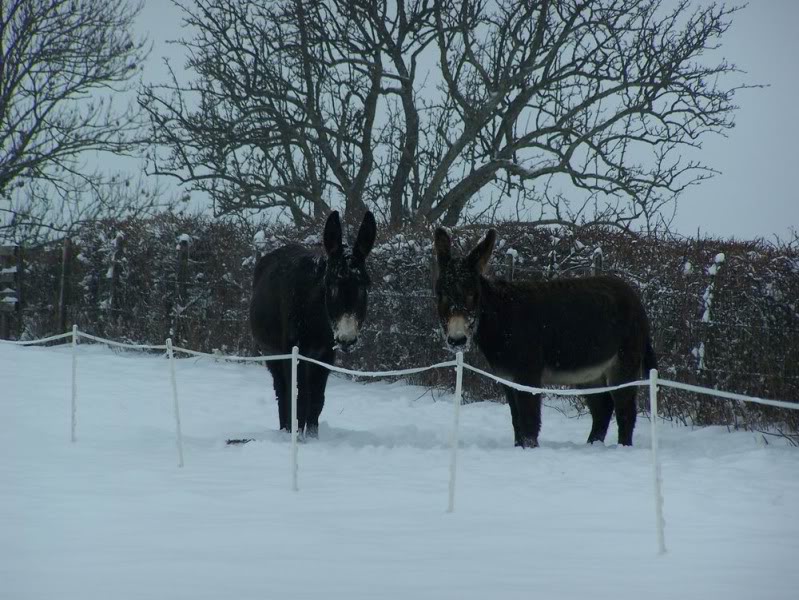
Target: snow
<point x="707" y="300"/>
<point x="699" y="354"/>
<point x="717" y="261"/>
<point x="112" y="516"/>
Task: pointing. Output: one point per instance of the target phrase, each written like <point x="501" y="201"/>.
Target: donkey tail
<point x="650" y="360"/>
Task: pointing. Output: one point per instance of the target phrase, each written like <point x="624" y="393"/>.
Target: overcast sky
<point x="756" y="193"/>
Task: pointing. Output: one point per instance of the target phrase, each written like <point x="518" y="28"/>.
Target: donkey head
<point x="346" y="280"/>
<point x="457" y="287"/>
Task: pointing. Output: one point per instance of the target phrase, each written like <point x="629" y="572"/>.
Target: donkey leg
<point x="626" y="412"/>
<point x="529" y="411"/>
<point x="601" y="407"/>
<point x="303" y="400"/>
<point x="316" y="377"/>
<point x="628" y="369"/>
<point x="281" y="380"/>
<point x="510" y="395"/>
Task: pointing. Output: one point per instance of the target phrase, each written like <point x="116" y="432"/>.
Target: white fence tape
<point x="653" y="383"/>
<point x="121" y="344"/>
<point x="557" y="392"/>
<point x="52" y="338"/>
<point x="232" y="358"/>
<point x="727" y="395"/>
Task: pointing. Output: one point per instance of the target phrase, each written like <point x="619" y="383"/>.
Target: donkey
<point x="313" y="301"/>
<point x="582" y="332"/>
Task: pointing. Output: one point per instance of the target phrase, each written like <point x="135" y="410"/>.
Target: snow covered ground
<point x="113" y="517"/>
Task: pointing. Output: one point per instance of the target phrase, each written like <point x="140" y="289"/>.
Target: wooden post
<point x="433" y="273"/>
<point x="20" y="296"/>
<point x="552" y="260"/>
<point x="596" y="262"/>
<point x="10" y="277"/>
<point x="182" y="285"/>
<point x="64" y="293"/>
<point x="116" y="267"/>
<point x="510" y="265"/>
<point x="183" y="267"/>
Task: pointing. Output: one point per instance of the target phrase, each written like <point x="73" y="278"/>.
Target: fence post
<point x="116" y="267"/>
<point x="183" y="266"/>
<point x="294" y="354"/>
<point x="20" y="295"/>
<point x="510" y="259"/>
<point x="596" y="262"/>
<point x="63" y="296"/>
<point x="9" y="289"/>
<point x="653" y="417"/>
<point x="73" y="437"/>
<point x="181" y="285"/>
<point x="178" y="432"/>
<point x="453" y="458"/>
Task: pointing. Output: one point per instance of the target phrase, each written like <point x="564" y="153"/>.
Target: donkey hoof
<point x="527" y="443"/>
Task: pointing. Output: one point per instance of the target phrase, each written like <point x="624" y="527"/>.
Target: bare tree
<point x="420" y="108"/>
<point x="62" y="63"/>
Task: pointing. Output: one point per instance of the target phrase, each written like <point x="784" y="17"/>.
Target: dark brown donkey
<point x="582" y="332"/>
<point x="317" y="302"/>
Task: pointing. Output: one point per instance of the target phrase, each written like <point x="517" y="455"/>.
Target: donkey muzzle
<point x="345" y="333"/>
<point x="457" y="333"/>
<point x="346" y="345"/>
<point x="457" y="342"/>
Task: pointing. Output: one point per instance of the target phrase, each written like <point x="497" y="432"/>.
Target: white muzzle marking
<point x="456" y="328"/>
<point x="346" y="329"/>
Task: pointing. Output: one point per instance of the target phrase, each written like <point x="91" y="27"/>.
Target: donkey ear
<point x="442" y="245"/>
<point x="332" y="235"/>
<point x="366" y="235"/>
<point x="478" y="257"/>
